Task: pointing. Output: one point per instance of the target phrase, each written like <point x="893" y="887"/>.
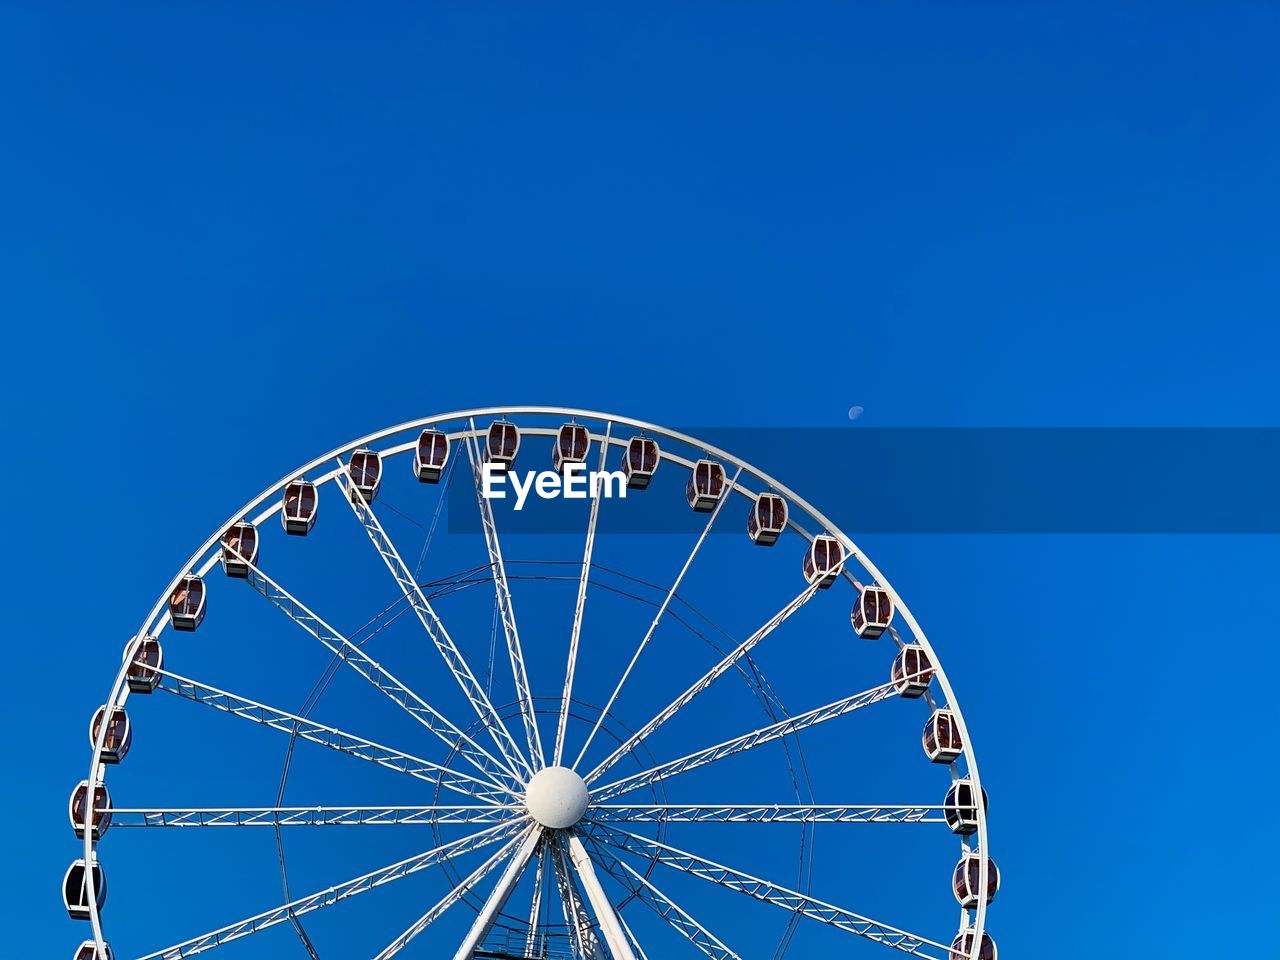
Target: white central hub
<point x="556" y="797"/>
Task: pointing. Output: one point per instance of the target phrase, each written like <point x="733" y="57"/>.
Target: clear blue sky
<point x="234" y="237"/>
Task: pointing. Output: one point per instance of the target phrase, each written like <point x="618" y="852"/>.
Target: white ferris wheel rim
<point x="206" y="556"/>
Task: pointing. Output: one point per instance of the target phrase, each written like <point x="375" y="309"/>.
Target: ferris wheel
<point x="572" y="811"/>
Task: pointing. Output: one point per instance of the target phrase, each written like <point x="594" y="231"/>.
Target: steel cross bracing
<point x="747" y="741"/>
<point x="334" y="894"/>
<point x="506" y="612"/>
<point x="763" y="813"/>
<point x="705" y="681"/>
<point x="790" y="900"/>
<point x="319" y="816"/>
<point x="453" y="658"/>
<point x="585" y="943"/>
<point x="445" y="902"/>
<point x="335" y="739"/>
<point x="379" y="676"/>
<point x="567" y="696"/>
<point x="666" y="908"/>
<point x="657" y="617"/>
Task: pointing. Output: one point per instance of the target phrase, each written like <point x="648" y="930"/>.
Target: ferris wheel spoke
<point x="764" y="813"/>
<point x="705" y="681"/>
<point x="355" y="657"/>
<point x="501" y="892"/>
<point x="661" y="904"/>
<point x="506" y="612"/>
<point x="335" y="739"/>
<point x="332" y="895"/>
<point x="435" y="628"/>
<point x="574" y="634"/>
<point x="585" y="943"/>
<point x="748" y="741"/>
<point x="657" y="617"/>
<point x="318" y="816"/>
<point x="790" y="900"/>
<point x="459" y="890"/>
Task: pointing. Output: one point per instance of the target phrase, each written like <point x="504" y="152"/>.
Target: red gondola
<point x="767" y="519"/>
<point x="964" y="881"/>
<point x="912" y="671"/>
<point x="89" y="951"/>
<point x="705" y="486"/>
<point x="502" y="443"/>
<point x="298" y="514"/>
<point x="365" y="468"/>
<point x="430" y="456"/>
<point x="239" y="549"/>
<point x="572" y="443"/>
<point x="148" y="657"/>
<point x="119" y="734"/>
<point x="941" y="738"/>
<point x="101" y="818"/>
<point x="962" y="947"/>
<point x="823" y="561"/>
<point x="640" y="462"/>
<point x="75" y="896"/>
<point x="186" y="603"/>
<point x="870" y="616"/>
<point x="960" y="810"/>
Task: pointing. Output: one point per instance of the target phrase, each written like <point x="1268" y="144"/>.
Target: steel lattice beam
<point x="334" y="739"/>
<point x="747" y="741"/>
<point x="506" y="613"/>
<point x="426" y="614"/>
<point x="763" y="813"/>
<point x="666" y="908"/>
<point x="791" y="900"/>
<point x="377" y="675"/>
<point x="705" y="681"/>
<point x="308" y="816"/>
<point x="332" y="895"/>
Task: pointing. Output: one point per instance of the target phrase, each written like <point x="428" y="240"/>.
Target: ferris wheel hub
<point x="556" y="797"/>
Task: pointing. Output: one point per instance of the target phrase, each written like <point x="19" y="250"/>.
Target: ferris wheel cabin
<point x="962" y="947"/>
<point x="430" y="456"/>
<point x="365" y="469"/>
<point x="640" y="462"/>
<point x="298" y="511"/>
<point x="239" y="549"/>
<point x="89" y="951"/>
<point x="941" y="737"/>
<point x="705" y="486"/>
<point x="767" y="519"/>
<point x="101" y="818"/>
<point x="964" y="881"/>
<point x="870" y="616"/>
<point x="823" y="561"/>
<point x="75" y="895"/>
<point x="572" y="443"/>
<point x="119" y="734"/>
<point x="502" y="443"/>
<point x="912" y="672"/>
<point x="148" y="657"/>
<point x="960" y="810"/>
<point x="186" y="603"/>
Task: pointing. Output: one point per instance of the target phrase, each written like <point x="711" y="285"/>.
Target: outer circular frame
<point x="206" y="556"/>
